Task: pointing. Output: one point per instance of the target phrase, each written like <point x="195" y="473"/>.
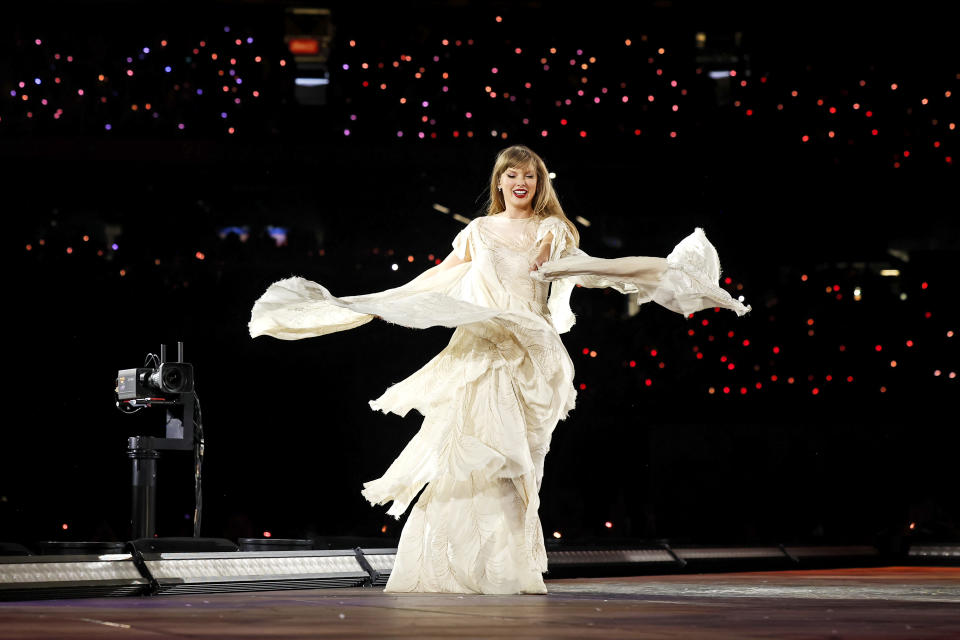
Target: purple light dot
<point x="420" y="135"/>
<point x="223" y="114"/>
<point x="233" y="72"/>
<point x="114" y="246"/>
<point x="226" y="29"/>
<point x="346" y="67"/>
<point x="37" y="42"/>
<point x="425" y="103"/>
<point x="199" y="92"/>
<point x="546" y="67"/>
<point x="399" y="134"/>
<point x="239" y="80"/>
<point x="129" y="60"/>
<point x="108" y="127"/>
<point x="156" y="115"/>
<point x="146" y="49"/>
<point x="579" y="52"/>
<point x="446" y="88"/>
<point x="353" y="116"/>
<point x="13" y="92"/>
<point x="168" y="68"/>
<point x="250" y="40"/>
<point x="346" y="132"/>
<point x="236" y="101"/>
<point x="36" y="81"/>
<point x="436" y="58"/>
<point x="180" y="126"/>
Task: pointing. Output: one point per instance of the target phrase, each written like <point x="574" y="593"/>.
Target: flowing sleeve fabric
<point x="461" y="243"/>
<point x="562" y="245"/>
<point x="297" y="308"/>
<point x="686" y="281"/>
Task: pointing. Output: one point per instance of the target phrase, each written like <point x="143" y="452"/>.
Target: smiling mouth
<point x="520" y="193"/>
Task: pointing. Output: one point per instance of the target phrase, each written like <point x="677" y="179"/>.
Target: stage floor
<point x="888" y="602"/>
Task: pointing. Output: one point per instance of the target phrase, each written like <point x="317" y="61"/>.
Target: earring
<point x="499" y="188"/>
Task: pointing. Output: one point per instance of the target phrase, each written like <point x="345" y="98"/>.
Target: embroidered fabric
<point x="492" y="397"/>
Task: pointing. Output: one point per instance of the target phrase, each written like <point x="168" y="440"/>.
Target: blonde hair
<point x="545" y="201"/>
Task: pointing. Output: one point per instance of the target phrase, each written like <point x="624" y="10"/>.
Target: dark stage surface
<point x="888" y="602"/>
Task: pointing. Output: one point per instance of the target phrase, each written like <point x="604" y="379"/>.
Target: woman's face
<point x="519" y="185"/>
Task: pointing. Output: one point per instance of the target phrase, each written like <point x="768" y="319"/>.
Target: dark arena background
<point x="163" y="163"/>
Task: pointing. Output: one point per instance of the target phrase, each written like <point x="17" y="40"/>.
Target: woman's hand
<point x="544" y="254"/>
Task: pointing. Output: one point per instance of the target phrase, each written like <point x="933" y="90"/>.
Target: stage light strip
<point x="825" y="552"/>
<point x="268" y="565"/>
<point x="22" y="571"/>
<point x="935" y="551"/>
<point x="723" y="553"/>
<point x="608" y="556"/>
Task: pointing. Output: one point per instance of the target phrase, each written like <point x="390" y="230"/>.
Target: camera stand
<point x="144" y="453"/>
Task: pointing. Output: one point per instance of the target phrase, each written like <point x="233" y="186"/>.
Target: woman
<point x="493" y="396"/>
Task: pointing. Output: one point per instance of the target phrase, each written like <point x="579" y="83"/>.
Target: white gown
<point x="491" y="398"/>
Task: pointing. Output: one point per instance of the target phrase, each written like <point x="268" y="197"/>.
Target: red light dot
<point x="582" y="386"/>
<point x="726" y="389"/>
<point x="653" y="352"/>
<point x="705" y="322"/>
<point x="608" y="524"/>
<point x="267" y="534"/>
<point x="909" y="343"/>
<point x="776" y="349"/>
<point x="924" y="285"/>
<point x="815" y="391"/>
<point x="879" y="347"/>
<point x="648" y="382"/>
<point x="743" y="391"/>
<point x="746" y="343"/>
<point x="759" y="385"/>
<point x="199" y="255"/>
<point x="586" y="351"/>
<point x="731" y="366"/>
<point x="849" y="378"/>
<point x="583" y="134"/>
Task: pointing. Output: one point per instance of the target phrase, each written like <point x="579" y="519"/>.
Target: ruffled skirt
<point x="490" y="402"/>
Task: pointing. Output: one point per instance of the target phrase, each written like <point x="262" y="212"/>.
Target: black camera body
<point x="170" y="379"/>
